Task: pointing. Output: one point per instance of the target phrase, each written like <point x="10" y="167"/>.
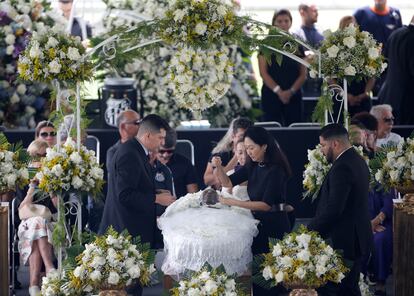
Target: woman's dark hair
<point x="273" y="153"/>
<point x="41" y="125"/>
<point x="279" y="13"/>
<point x="368" y="120"/>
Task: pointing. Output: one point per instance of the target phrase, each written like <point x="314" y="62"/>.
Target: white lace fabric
<point x="194" y="235"/>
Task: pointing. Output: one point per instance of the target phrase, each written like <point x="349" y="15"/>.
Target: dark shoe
<point x="380" y="293"/>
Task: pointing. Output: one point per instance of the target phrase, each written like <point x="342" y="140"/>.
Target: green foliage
<point x="324" y="104"/>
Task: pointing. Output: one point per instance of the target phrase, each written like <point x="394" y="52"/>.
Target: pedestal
<point x="403" y="266"/>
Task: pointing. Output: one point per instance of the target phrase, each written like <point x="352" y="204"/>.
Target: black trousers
<point x="349" y="285"/>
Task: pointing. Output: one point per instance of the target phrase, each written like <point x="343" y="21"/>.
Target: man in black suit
<point x="342" y="213"/>
<point x="130" y="203"/>
<point x="398" y="88"/>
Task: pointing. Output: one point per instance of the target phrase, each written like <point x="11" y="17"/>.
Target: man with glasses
<point x="128" y="125"/>
<point x="184" y="173"/>
<point x="383" y="113"/>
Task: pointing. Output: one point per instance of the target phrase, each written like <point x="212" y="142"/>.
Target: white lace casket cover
<point x="195" y="234"/>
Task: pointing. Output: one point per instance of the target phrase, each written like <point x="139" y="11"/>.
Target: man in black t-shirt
<point x="184" y="173"/>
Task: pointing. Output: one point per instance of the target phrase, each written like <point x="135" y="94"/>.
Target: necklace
<point x="261" y="164"/>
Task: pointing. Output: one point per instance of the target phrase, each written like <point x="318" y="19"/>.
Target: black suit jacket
<point x="130" y="202"/>
<point x="342" y="212"/>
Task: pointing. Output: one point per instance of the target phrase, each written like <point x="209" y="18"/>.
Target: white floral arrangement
<point x="349" y="53"/>
<point x="196" y="22"/>
<point x="208" y="281"/>
<point x="54" y="55"/>
<point x="21" y="103"/>
<point x="55" y="284"/>
<point x="393" y="166"/>
<point x="112" y="262"/>
<point x="316" y="170"/>
<point x="200" y="77"/>
<point x="302" y="259"/>
<point x="152" y="71"/>
<point x="13" y="166"/>
<point x="66" y="169"/>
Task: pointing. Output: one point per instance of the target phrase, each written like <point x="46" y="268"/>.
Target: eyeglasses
<point x="169" y="151"/>
<point x="46" y="134"/>
<point x="136" y="122"/>
<point x="389" y="119"/>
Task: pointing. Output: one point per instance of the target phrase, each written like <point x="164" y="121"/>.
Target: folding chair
<point x="186" y="149"/>
<point x="268" y="124"/>
<point x="305" y="124"/>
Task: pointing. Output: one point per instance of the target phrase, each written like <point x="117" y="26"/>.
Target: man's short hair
<point x="368" y="120"/>
<point x="334" y="131"/>
<point x="153" y="124"/>
<point x="170" y="138"/>
<point x="241" y="122"/>
<point x="378" y="110"/>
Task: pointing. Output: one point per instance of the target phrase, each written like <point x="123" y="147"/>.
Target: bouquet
<point x="393" y="166"/>
<point x="351" y="54"/>
<point x="316" y="170"/>
<point x="13" y="166"/>
<point x="54" y="55"/>
<point x="111" y="262"/>
<point x="200" y="77"/>
<point x="66" y="169"/>
<point x="196" y="23"/>
<point x="208" y="281"/>
<point x="301" y="259"/>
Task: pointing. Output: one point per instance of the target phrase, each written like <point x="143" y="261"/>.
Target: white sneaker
<point x="34" y="291"/>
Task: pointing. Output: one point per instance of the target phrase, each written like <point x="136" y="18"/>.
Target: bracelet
<point x="276" y="89"/>
<point x="292" y="91"/>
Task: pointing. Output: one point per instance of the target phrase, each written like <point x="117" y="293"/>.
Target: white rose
<point x="230" y="285"/>
<point x="98" y="261"/>
<point x="77" y="182"/>
<point x="78" y="272"/>
<point x="52" y="42"/>
<point x="332" y="51"/>
<point x="211" y="286"/>
<point x="221" y="9"/>
<point x="349" y="41"/>
<point x="300" y="273"/>
<point x="267" y="273"/>
<point x="205" y="275"/>
<point x="200" y="28"/>
<point x="350" y="71"/>
<point x="75" y="157"/>
<point x="10" y="39"/>
<point x="179" y="14"/>
<point x="21" y="89"/>
<point x="303" y="239"/>
<point x="34" y="51"/>
<point x="24" y="173"/>
<point x="11" y="180"/>
<point x="95" y="275"/>
<point x="320" y="270"/>
<point x="57" y="170"/>
<point x="9" y="49"/>
<point x="194" y="292"/>
<point x="373" y="53"/>
<point x="73" y="54"/>
<point x="304" y="255"/>
<point x="286" y="261"/>
<point x="279" y="277"/>
<point x="277" y="250"/>
<point x="340" y="277"/>
<point x="96" y="173"/>
<point x="54" y="66"/>
<point x="134" y="272"/>
<point x="113" y="278"/>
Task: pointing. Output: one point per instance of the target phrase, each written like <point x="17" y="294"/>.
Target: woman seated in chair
<point x="35" y="233"/>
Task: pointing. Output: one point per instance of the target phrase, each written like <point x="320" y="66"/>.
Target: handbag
<point x="34" y="210"/>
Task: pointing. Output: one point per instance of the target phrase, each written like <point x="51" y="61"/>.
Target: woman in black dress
<point x="281" y="91"/>
<point x="266" y="171"/>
